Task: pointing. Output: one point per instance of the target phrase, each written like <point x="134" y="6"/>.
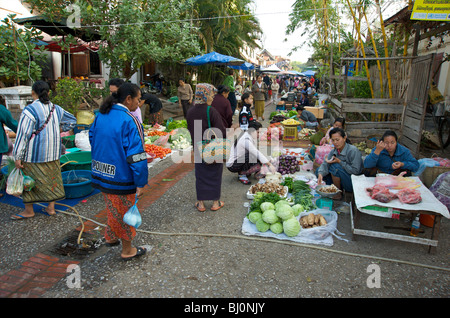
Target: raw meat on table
<point x="381" y="193"/>
<point x="410" y="196"/>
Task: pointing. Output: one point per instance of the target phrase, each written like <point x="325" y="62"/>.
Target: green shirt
<point x="229" y="81"/>
<point x="10" y="122"/>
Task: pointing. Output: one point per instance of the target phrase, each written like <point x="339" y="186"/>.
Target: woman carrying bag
<point x="119" y="164"/>
<point x="208" y="177"/>
<point x="37" y="149"/>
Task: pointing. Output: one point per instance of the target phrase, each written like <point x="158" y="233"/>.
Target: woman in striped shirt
<point x="37" y="149"/>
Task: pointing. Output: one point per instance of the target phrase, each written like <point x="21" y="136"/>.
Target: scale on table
<point x="325" y="201"/>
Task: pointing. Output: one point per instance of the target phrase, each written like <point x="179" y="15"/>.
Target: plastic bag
<point x="82" y="140"/>
<point x="396" y="182"/>
<point x="424" y="163"/>
<point x="441" y="189"/>
<point x="28" y="183"/>
<point x="133" y="217"/>
<point x="321" y="232"/>
<point x="162" y="141"/>
<point x="322" y="152"/>
<point x="14" y="184"/>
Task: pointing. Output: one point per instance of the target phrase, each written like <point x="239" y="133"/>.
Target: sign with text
<point x="431" y="10"/>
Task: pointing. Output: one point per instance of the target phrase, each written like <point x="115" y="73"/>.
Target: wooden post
<point x="416" y="40"/>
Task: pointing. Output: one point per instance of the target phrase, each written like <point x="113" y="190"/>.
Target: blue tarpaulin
<point x="213" y="58"/>
<point x="246" y="66"/>
<point x="309" y="73"/>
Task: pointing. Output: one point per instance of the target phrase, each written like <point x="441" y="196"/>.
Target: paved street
<point x="205" y="255"/>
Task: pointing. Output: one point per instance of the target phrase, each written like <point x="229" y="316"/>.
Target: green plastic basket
<point x="80" y="160"/>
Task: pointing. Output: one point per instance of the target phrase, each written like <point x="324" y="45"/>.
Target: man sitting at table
<point x="308" y="117"/>
<point x="342" y="161"/>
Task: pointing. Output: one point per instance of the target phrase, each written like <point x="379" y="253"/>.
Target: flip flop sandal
<point x="140" y="251"/>
<point x="20" y="217"/>
<point x="197" y="205"/>
<point x="244" y="181"/>
<point x="221" y="204"/>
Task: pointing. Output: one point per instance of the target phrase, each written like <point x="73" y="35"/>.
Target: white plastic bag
<point x="321" y="232"/>
<point x="14" y="184"/>
<point x="82" y="140"/>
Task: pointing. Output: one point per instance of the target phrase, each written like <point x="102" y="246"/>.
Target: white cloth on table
<point x="429" y="201"/>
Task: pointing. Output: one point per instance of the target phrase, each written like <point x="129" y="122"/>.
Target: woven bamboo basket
<point x="431" y="173"/>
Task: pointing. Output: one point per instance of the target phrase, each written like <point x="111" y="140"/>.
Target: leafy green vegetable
<point x="291" y="227"/>
<point x="261" y="197"/>
<point x="254" y="216"/>
<point x="182" y="123"/>
<point x="276" y="228"/>
<point x="298" y="208"/>
<point x="267" y="206"/>
<point x="292" y="113"/>
<point x="270" y="216"/>
<point x="305" y="198"/>
<point x="299" y="185"/>
<point x="288" y="182"/>
<point x="285" y="212"/>
<point x="262" y="226"/>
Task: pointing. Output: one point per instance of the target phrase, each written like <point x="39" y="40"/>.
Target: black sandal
<point x="139" y="252"/>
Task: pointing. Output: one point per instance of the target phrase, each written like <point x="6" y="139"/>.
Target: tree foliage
<point x="133" y="32"/>
<point x="19" y="60"/>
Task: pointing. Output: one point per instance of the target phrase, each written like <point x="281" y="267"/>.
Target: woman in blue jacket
<point x="119" y="163"/>
<point x="390" y="157"/>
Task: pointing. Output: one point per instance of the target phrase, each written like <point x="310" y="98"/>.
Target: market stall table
<point x="362" y="203"/>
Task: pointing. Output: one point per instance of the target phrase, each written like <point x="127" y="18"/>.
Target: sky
<point x="273" y="16"/>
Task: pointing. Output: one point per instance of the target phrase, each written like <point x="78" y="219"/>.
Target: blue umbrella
<point x="245" y="67"/>
<point x="309" y="73"/>
<point x="213" y="58"/>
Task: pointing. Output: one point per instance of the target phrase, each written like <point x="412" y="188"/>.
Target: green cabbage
<point x="266" y="206"/>
<point x="276" y="228"/>
<point x="262" y="226"/>
<point x="291" y="227"/>
<point x="298" y="208"/>
<point x="254" y="216"/>
<point x="281" y="203"/>
<point x="285" y="212"/>
<point x="269" y="216"/>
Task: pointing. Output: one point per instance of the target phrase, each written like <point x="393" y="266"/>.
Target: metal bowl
<point x="326" y="194"/>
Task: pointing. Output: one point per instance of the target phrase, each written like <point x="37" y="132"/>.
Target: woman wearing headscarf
<point x="37" y="149"/>
<point x="208" y="177"/>
<point x="119" y="164"/>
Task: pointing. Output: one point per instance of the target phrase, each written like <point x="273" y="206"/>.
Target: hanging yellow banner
<point x="431" y="10"/>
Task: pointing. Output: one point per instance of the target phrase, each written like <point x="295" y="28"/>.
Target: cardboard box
<point x="318" y="112"/>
